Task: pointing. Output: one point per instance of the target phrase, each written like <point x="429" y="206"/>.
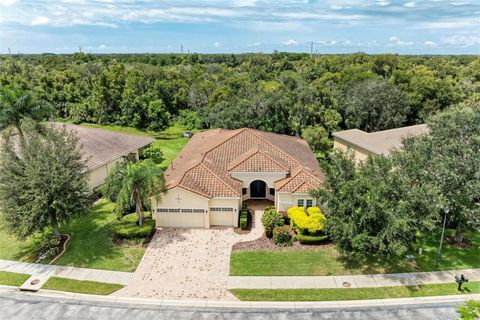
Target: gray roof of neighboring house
<point x="100" y="147"/>
<point x="381" y="142"/>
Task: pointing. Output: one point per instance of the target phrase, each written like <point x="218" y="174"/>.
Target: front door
<point x="258" y="189"/>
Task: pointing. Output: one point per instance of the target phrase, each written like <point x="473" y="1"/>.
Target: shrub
<point x="50" y="246"/>
<point x="470" y="310"/>
<point x="244" y="217"/>
<point x="127" y="228"/>
<point x="309" y="239"/>
<point x="281" y="236"/>
<point x="154" y="153"/>
<point x="311" y="221"/>
<point x="271" y="219"/>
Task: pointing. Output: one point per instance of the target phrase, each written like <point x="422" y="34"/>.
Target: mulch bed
<point x="266" y="244"/>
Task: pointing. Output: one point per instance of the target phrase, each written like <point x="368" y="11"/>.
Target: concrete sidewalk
<point x="347" y="281"/>
<point x="43" y="272"/>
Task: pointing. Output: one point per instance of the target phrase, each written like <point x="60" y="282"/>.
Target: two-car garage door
<point x="194" y="218"/>
<point x="181" y="217"/>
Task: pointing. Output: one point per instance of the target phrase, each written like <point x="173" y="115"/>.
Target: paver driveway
<point x="188" y="263"/>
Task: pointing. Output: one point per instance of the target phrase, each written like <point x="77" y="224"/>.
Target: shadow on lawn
<point x="91" y="243"/>
<point x="375" y="264"/>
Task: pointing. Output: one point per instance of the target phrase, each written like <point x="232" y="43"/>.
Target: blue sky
<point x="234" y="26"/>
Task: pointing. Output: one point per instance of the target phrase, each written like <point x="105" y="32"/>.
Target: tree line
<point x="280" y="92"/>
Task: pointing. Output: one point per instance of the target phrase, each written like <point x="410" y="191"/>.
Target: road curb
<point x="205" y="305"/>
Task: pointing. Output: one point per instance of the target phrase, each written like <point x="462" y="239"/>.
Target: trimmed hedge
<point x="271" y="219"/>
<point x="281" y="236"/>
<point x="309" y="239"/>
<point x="127" y="228"/>
<point x="244" y="218"/>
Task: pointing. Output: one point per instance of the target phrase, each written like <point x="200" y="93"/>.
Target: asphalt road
<point x="25" y="307"/>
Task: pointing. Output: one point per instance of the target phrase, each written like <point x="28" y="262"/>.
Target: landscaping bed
<point x="265" y="244"/>
<point x="354" y="293"/>
<point x="81" y="286"/>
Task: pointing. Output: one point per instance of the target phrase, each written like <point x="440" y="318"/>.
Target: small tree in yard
<point x="271" y="219"/>
<point x="141" y="180"/>
<point x="44" y="183"/>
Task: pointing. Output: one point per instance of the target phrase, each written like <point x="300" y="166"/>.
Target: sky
<point x="237" y="26"/>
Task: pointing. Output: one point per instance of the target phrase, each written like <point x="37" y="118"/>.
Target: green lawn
<point x="91" y="243"/>
<point x="12" y="278"/>
<point x="353" y="294"/>
<point x="170" y="139"/>
<point x="12" y="248"/>
<point x="328" y="261"/>
<point x="79" y="286"/>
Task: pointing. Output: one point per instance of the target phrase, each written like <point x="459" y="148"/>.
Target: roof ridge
<point x="287" y="180"/>
<point x="263" y="152"/>
<point x="253" y="131"/>
<point x="204" y="154"/>
<point x="301" y="184"/>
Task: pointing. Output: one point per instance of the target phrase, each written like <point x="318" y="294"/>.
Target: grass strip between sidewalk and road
<point x="442" y="289"/>
<point x="12" y="278"/>
<point x="81" y="286"/>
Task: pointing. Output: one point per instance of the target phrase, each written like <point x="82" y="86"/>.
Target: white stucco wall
<point x="268" y="177"/>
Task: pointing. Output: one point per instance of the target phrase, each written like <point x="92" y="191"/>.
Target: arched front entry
<point x="258" y="189"/>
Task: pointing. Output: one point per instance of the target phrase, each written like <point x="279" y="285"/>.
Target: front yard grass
<point x="12" y="278"/>
<point x="329" y="261"/>
<point x="354" y="293"/>
<point x="91" y="244"/>
<point x="81" y="286"/>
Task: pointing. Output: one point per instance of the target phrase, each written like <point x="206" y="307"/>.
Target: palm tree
<point x="142" y="180"/>
<point x="16" y="105"/>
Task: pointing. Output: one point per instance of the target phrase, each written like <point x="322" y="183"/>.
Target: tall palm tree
<point x="16" y="105"/>
<point x="142" y="180"/>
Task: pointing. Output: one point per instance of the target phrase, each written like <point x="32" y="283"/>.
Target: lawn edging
<point x="81" y="286"/>
<point x="346" y="294"/>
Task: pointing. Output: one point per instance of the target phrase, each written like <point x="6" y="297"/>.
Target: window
<point x="349" y="150"/>
<point x="300" y="203"/>
<point x="309" y="203"/>
<point x="272" y="191"/>
<point x="244" y="191"/>
<point x="221" y="209"/>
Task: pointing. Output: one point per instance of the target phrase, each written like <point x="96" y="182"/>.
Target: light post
<point x="445" y="211"/>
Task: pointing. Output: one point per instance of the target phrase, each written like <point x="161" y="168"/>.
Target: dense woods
<point x="280" y="92"/>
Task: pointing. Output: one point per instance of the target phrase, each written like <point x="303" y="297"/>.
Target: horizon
<point x="407" y="27"/>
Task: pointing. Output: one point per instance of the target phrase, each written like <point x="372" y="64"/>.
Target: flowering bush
<point x="311" y="221"/>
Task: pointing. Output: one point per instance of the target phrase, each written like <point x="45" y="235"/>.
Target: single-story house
<point x="362" y="143"/>
<point x="102" y="149"/>
<point x="219" y="169"/>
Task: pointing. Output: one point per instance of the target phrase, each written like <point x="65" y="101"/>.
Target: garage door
<point x="181" y="217"/>
<point x="221" y="216"/>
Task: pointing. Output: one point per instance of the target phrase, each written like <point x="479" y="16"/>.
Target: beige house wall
<point x="98" y="175"/>
<point x="286" y="200"/>
<point x="179" y="198"/>
<point x="360" y="154"/>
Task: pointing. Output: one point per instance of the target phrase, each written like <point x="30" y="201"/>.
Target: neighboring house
<point x="102" y="149"/>
<point x="382" y="143"/>
<point x="219" y="169"/>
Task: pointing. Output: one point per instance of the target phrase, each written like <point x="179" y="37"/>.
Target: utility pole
<point x="181" y="48"/>
<point x="9" y="52"/>
<point x="311" y="48"/>
<point x="80" y="49"/>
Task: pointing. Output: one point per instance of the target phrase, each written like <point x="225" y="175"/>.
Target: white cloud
<point x="383" y="3"/>
<point x="396" y="41"/>
<point x="430" y="43"/>
<point x="290" y="42"/>
<point x="216" y="44"/>
<point x="7" y="3"/>
<point x="255" y="44"/>
<point x="40" y="21"/>
<point x="410" y="4"/>
<point x="103" y="46"/>
<point x="461" y="40"/>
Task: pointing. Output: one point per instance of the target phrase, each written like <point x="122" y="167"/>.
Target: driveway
<point x="188" y="263"/>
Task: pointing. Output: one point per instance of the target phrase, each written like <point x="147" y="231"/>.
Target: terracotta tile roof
<point x="381" y="142"/>
<point x="100" y="147"/>
<point x="256" y="160"/>
<point x="205" y="163"/>
<point x="301" y="180"/>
